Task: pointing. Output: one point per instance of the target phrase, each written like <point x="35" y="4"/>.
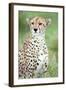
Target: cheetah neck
<point x="39" y="37"/>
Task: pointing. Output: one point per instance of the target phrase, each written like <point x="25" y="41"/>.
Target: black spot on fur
<point x="41" y="53"/>
<point x="31" y="60"/>
<point x="35" y="41"/>
<point x="39" y="60"/>
<point x="36" y="45"/>
<point x="45" y="65"/>
<point x="31" y="64"/>
<point x="37" y="63"/>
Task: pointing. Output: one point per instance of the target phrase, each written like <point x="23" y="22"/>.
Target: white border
<point x="60" y="45"/>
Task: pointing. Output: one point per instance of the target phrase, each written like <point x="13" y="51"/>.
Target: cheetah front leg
<point x="45" y="63"/>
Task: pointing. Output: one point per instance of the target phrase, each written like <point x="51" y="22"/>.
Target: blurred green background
<point x="51" y="37"/>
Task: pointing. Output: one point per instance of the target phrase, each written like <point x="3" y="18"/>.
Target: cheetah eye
<point x="40" y="23"/>
<point x="32" y="23"/>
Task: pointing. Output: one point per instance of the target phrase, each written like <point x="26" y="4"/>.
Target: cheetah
<point x="33" y="56"/>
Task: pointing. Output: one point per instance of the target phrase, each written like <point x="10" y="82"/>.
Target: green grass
<point x="51" y="37"/>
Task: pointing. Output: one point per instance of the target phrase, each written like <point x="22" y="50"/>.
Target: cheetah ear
<point x="27" y="20"/>
<point x="48" y="21"/>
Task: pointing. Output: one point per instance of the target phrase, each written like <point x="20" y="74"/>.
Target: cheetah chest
<point x="41" y="52"/>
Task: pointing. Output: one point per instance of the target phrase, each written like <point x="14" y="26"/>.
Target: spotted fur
<point x="33" y="57"/>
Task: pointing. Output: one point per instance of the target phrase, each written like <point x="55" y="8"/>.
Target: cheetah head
<point x="38" y="25"/>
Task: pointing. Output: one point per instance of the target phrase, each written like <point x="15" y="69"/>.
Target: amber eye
<point x="40" y="23"/>
<point x="32" y="23"/>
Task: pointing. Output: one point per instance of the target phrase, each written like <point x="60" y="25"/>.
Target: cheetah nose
<point x="35" y="29"/>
